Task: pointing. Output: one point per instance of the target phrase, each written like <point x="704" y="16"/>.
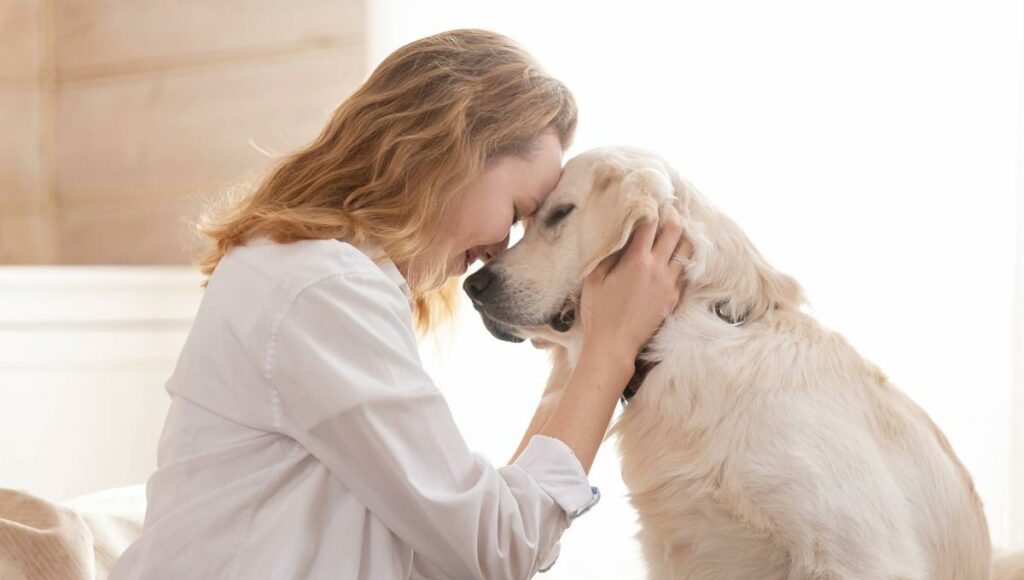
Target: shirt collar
<point x="379" y="257"/>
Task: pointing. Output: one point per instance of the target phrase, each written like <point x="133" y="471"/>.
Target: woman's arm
<point x="347" y="385"/>
<point x="584" y="409"/>
<point x="558" y="384"/>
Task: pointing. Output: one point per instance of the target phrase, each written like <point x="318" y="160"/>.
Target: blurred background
<point x="871" y="149"/>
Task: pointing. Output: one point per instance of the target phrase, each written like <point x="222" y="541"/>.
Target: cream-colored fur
<point x="763" y="449"/>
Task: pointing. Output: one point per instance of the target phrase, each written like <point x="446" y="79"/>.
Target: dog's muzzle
<point x="482" y="287"/>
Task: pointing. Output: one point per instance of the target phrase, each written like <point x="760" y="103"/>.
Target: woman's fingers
<point x="643" y="237"/>
<point x="682" y="254"/>
<point x="663" y="241"/>
<point x="668" y="238"/>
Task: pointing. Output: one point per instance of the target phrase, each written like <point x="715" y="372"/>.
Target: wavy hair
<point x="392" y="162"/>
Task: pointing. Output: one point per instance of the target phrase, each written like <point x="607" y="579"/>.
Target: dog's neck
<point x="568" y="356"/>
<point x="641" y="367"/>
<point x="565" y="359"/>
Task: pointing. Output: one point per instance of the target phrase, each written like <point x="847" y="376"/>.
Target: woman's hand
<point x="629" y="294"/>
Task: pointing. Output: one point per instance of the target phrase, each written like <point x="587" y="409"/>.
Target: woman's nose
<point x="493" y="250"/>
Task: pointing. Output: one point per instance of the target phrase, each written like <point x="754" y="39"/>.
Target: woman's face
<point x="511" y="187"/>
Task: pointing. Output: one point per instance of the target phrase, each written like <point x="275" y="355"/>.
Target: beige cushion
<point x="41" y="540"/>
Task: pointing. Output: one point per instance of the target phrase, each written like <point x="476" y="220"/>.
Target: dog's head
<point x="532" y="290"/>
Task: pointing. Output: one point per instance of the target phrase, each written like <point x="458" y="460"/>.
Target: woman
<point x="304" y="439"/>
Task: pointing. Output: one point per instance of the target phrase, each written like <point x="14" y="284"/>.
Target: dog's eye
<point x="558" y="215"/>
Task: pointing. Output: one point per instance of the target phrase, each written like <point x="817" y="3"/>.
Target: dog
<point x="756" y="442"/>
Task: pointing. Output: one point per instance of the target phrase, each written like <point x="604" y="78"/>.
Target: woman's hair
<point x="393" y="160"/>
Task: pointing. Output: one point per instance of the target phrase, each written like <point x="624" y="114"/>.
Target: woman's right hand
<point x="629" y="294"/>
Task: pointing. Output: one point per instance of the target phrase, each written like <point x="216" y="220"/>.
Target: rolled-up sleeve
<point x="347" y="384"/>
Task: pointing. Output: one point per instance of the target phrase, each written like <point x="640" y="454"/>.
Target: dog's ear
<point x="759" y="290"/>
<point x="642" y="195"/>
<point x="730" y="267"/>
<point x="726" y="265"/>
<point x="778" y="290"/>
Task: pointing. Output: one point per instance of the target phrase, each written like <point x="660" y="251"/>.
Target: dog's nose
<point x="478" y="284"/>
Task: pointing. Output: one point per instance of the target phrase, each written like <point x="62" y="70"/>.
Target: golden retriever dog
<point x="756" y="443"/>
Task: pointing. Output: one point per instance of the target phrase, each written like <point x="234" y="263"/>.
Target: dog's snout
<point x="480" y="284"/>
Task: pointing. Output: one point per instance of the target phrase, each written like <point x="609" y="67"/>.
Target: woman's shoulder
<point x="290" y="267"/>
<point x="256" y="285"/>
<point x="261" y="280"/>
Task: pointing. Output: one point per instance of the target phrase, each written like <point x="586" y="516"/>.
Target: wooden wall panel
<point x="23" y="237"/>
<point x="20" y="144"/>
<point x="98" y="37"/>
<point x="20" y="40"/>
<point x="194" y="131"/>
<point x="120" y="118"/>
<point x="24" y="227"/>
<point x="140" y="232"/>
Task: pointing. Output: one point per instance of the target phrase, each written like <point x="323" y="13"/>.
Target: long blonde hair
<point x="392" y="161"/>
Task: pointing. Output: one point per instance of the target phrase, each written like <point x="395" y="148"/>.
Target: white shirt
<point x="305" y="440"/>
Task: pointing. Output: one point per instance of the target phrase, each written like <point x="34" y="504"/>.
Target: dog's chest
<point x="674" y="442"/>
<point x="672" y="439"/>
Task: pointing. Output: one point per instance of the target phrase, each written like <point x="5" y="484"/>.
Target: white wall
<point x="84" y="354"/>
<point x="1016" y="537"/>
<point x="868" y="148"/>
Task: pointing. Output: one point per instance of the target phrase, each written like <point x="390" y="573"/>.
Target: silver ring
<point x="678" y="259"/>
